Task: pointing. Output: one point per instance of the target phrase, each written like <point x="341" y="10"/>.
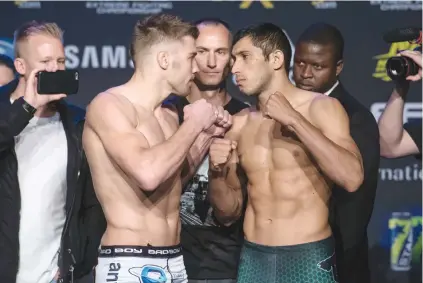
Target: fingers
<point x="414" y="55"/>
<point x="220" y="151"/>
<point x="32" y="76"/>
<point x="57" y="96"/>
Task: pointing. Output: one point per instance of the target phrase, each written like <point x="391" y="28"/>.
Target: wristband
<point x="26" y="106"/>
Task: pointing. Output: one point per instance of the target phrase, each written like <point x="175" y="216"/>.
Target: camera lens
<point x="401" y="67"/>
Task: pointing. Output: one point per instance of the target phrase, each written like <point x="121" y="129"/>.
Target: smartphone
<point x="66" y="81"/>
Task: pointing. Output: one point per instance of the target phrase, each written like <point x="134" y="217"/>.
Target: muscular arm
<point x="148" y="166"/>
<point x="330" y="142"/>
<point x="225" y="186"/>
<point x="395" y="141"/>
<point x="225" y="191"/>
<point x="195" y="156"/>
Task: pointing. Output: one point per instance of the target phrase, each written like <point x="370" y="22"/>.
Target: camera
<point x="400" y="67"/>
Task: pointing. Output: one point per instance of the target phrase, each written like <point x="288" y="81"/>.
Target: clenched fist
<point x="203" y="113"/>
<point x="222" y="124"/>
<point x="220" y="152"/>
<point x="279" y="109"/>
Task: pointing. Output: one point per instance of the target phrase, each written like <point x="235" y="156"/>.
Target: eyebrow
<point x="240" y="53"/>
<point x="207" y="49"/>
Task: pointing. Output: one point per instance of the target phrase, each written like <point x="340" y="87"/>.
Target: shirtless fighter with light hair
<point x="291" y="148"/>
<point x="136" y="153"/>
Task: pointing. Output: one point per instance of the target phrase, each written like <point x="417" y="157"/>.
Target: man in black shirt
<point x="396" y="140"/>
<point x="211" y="251"/>
<point x="318" y="62"/>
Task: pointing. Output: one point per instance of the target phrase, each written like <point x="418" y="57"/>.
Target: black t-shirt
<point x="414" y="129"/>
<point x="210" y="251"/>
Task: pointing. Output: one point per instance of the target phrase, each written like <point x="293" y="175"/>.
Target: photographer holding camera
<point x="50" y="219"/>
<point x="396" y="139"/>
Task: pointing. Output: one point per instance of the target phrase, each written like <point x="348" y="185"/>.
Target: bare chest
<point x="157" y="128"/>
<point x="266" y="145"/>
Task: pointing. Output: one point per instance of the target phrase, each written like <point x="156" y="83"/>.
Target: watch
<point x="27" y="107"/>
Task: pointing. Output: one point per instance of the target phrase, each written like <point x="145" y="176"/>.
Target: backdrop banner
<point x="97" y="36"/>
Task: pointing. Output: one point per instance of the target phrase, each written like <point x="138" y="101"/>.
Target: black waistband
<point x="140" y="251"/>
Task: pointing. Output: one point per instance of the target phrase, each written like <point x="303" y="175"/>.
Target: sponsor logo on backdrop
<point x="405" y="234"/>
<point x="28" y="4"/>
<point x="324" y="5"/>
<point x="380" y="70"/>
<point x="95" y="57"/>
<point x="129" y="7"/>
<point x="412" y="110"/>
<point x="264" y="3"/>
<point x="409" y="173"/>
<point x="398" y="5"/>
<point x="6" y="47"/>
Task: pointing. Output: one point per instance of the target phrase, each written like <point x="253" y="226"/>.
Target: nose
<point x="211" y="60"/>
<point x="52" y="66"/>
<point x="194" y="66"/>
<point x="306" y="72"/>
<point x="234" y="67"/>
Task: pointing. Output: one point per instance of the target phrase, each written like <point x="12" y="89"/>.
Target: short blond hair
<point x="34" y="28"/>
<point x="159" y="28"/>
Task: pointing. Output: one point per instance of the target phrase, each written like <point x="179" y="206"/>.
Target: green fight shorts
<point x="305" y="263"/>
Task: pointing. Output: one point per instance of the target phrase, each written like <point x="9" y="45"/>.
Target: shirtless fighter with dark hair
<point x="136" y="153"/>
<point x="292" y="149"/>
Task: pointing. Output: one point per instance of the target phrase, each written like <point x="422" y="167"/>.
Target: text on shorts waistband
<point x="140" y="251"/>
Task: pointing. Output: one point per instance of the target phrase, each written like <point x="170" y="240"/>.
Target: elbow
<point x="147" y="180"/>
<point x="387" y="150"/>
<point x="354" y="180"/>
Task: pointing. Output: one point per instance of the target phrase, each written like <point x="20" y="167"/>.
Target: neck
<point x="147" y="91"/>
<point x="217" y="96"/>
<point x="279" y="83"/>
<point x="42" y="111"/>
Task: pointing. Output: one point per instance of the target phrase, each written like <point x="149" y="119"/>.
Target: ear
<point x="339" y="67"/>
<point x="277" y="59"/>
<point x="20" y="66"/>
<point x="163" y="59"/>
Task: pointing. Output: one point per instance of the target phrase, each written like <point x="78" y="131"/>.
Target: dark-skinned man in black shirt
<point x="318" y="62"/>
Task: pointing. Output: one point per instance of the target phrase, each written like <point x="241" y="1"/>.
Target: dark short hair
<point x="8" y="62"/>
<point x="212" y="21"/>
<point x="324" y="34"/>
<point x="269" y="38"/>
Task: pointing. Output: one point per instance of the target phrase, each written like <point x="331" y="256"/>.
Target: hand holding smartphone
<point x="31" y="95"/>
<point x="61" y="81"/>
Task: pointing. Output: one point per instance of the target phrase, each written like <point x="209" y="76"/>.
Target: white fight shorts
<point x="135" y="264"/>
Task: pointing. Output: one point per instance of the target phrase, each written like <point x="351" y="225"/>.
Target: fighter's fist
<point x="222" y="124"/>
<point x="220" y="152"/>
<point x="278" y="108"/>
<point x="203" y="113"/>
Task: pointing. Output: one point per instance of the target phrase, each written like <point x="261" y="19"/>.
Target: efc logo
<point x="264" y="3"/>
<point x="380" y="71"/>
<point x="406" y="240"/>
<point x="267" y="4"/>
